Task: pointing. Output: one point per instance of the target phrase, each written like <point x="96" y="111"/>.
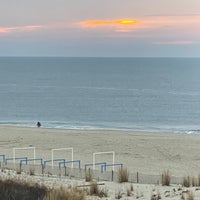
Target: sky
<point x="100" y="28"/>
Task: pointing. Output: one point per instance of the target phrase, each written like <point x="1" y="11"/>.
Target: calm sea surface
<point x="153" y="94"/>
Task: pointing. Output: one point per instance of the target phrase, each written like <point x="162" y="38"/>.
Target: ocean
<point x="142" y="94"/>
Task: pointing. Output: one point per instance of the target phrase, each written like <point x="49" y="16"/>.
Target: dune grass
<point x="123" y="175"/>
<point x="88" y="175"/>
<point x="166" y="178"/>
<point x="186" y="181"/>
<point x="65" y="194"/>
<point x="95" y="190"/>
<point x="21" y="190"/>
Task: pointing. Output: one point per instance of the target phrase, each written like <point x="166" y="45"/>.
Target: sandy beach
<point x="143" y="152"/>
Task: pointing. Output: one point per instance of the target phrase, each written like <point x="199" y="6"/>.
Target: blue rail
<point x="4" y="157"/>
<point x="111" y="165"/>
<point x="31" y="159"/>
<point x="21" y="158"/>
<point x="103" y="164"/>
<point x="70" y="161"/>
<point x="55" y="160"/>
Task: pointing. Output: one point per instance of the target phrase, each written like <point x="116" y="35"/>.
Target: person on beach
<point x="38" y="124"/>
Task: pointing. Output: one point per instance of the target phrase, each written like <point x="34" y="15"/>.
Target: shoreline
<point x="93" y="128"/>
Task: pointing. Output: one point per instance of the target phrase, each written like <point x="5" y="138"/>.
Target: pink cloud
<point x="6" y="30"/>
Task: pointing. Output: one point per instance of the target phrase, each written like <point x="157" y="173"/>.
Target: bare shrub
<point x="32" y="171"/>
<point x="104" y="193"/>
<point x="123" y="175"/>
<point x="118" y="195"/>
<point x="166" y="178"/>
<point x="18" y="171"/>
<point x="155" y="197"/>
<point x="88" y="176"/>
<point x="186" y="181"/>
<point x="131" y="188"/>
<point x="95" y="190"/>
<point x="194" y="181"/>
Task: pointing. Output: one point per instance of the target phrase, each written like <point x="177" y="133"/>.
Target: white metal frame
<point x="22" y="148"/>
<point x="62" y="149"/>
<point x="100" y="153"/>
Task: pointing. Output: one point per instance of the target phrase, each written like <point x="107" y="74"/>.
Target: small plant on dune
<point x="186" y="181"/>
<point x="123" y="175"/>
<point x="88" y="176"/>
<point x="155" y="197"/>
<point x="18" y="171"/>
<point x="118" y="195"/>
<point x="131" y="188"/>
<point x="65" y="194"/>
<point x="194" y="182"/>
<point x="32" y="171"/>
<point x="95" y="190"/>
<point x="166" y="178"/>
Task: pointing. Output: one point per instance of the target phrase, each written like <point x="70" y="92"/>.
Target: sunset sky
<point x="126" y="28"/>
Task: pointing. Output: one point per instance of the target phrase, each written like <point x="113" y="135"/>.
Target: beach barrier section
<point x="64" y="163"/>
<point x="70" y="149"/>
<point x="103" y="153"/>
<point x="60" y="167"/>
<point x="26" y="149"/>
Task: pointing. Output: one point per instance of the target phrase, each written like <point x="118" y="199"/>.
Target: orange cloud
<point x="19" y="29"/>
<point x="123" y="22"/>
<point x="145" y="23"/>
<point x="120" y="25"/>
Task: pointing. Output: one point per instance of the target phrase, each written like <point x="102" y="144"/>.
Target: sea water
<point x="149" y="94"/>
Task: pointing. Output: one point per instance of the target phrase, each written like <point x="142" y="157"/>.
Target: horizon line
<point x="99" y="56"/>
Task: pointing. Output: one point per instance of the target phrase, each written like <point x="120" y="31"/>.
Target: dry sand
<point x="145" y="152"/>
<point x="149" y="153"/>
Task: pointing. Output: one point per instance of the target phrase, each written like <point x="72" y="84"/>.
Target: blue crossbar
<point x="111" y="165"/>
<point x="22" y="158"/>
<point x="31" y="159"/>
<point x="70" y="161"/>
<point x="4" y="157"/>
<point x="103" y="164"/>
<point x="46" y="161"/>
